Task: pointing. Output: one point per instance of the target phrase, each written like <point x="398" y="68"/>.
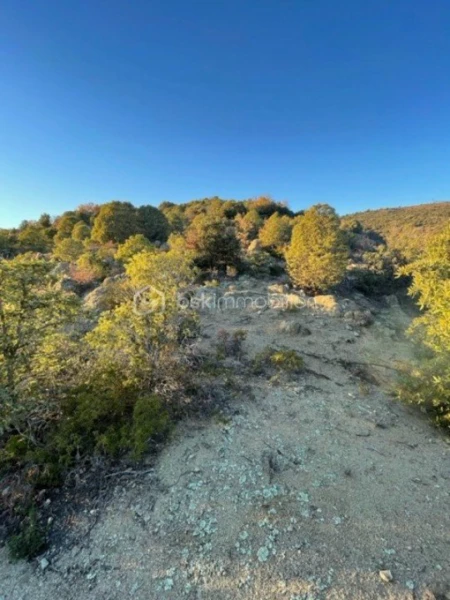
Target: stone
<point x="293" y="328"/>
<point x="386" y="576"/>
<point x="44" y="563"/>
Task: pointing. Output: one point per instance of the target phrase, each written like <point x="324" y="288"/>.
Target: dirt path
<point x="304" y="490"/>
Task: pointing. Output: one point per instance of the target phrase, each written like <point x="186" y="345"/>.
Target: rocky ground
<point x="317" y="486"/>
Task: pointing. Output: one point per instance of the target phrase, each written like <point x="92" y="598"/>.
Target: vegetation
<point x="406" y="229"/>
<point x="317" y="256"/>
<point x="428" y="384"/>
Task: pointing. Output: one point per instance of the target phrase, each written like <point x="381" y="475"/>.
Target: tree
<point x="165" y="271"/>
<point x="276" y="232"/>
<point x="431" y="286"/>
<point x="33" y="238"/>
<point x="248" y="225"/>
<point x="214" y="243"/>
<point x="30" y="308"/>
<point x="81" y="231"/>
<point x="317" y="256"/>
<point x="65" y="224"/>
<point x="152" y="223"/>
<point x="428" y="383"/>
<point x="68" y="250"/>
<point x="115" y="222"/>
<point x="134" y="244"/>
<point x="7" y="243"/>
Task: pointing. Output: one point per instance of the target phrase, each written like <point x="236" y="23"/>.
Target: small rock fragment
<point x="386" y="576"/>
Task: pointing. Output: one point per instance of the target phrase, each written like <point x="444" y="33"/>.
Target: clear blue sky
<point x="339" y="101"/>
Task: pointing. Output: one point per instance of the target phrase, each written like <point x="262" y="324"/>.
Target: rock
<point x="359" y="318"/>
<point x="67" y="284"/>
<point x="293" y="328"/>
<point x="62" y="268"/>
<point x="392" y="301"/>
<point x="386" y="576"/>
<point x="107" y="295"/>
<point x="44" y="563"/>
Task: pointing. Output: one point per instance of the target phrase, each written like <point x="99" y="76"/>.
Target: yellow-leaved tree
<point x="428" y="383"/>
<point x="317" y="255"/>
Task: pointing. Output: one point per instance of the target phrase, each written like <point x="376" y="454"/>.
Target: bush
<point x="30" y="541"/>
<point x="317" y="256"/>
<point x="284" y="360"/>
<point x="133" y="245"/>
<point x="428" y="386"/>
<point x="230" y="345"/>
<point x="378" y="275"/>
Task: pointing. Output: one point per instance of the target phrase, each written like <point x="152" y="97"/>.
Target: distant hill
<point x="406" y="228"/>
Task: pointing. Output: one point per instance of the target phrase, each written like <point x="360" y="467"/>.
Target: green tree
<point x="68" y="250"/>
<point x="133" y="245"/>
<point x="33" y="238"/>
<point x="428" y="383"/>
<point x="152" y="223"/>
<point x="64" y="225"/>
<point x="248" y="225"/>
<point x="81" y="232"/>
<point x="30" y="308"/>
<point x="276" y="232"/>
<point x="115" y="222"/>
<point x="317" y="255"/>
<point x="214" y="243"/>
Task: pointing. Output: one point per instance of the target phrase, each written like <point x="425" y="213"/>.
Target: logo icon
<point x="148" y="300"/>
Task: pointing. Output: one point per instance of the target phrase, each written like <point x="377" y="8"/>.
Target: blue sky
<point x="345" y="102"/>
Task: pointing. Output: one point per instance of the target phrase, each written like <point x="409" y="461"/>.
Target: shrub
<point x="115" y="222"/>
<point x="133" y="245"/>
<point x="214" y="243"/>
<point x="152" y="223"/>
<point x="428" y="384"/>
<point x="30" y="541"/>
<point x="276" y="232"/>
<point x="317" y="256"/>
<point x="284" y="360"/>
<point x="150" y="421"/>
<point x="68" y="250"/>
<point x="378" y="274"/>
<point x="230" y="344"/>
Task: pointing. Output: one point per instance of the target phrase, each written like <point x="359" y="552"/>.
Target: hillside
<point x="303" y="486"/>
<point x="405" y="228"/>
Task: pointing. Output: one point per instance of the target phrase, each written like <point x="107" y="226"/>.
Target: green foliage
<point x="133" y="245"/>
<point x="7" y="243"/>
<point x="284" y="360"/>
<point x="407" y="229"/>
<point x="248" y="225"/>
<point x="152" y="223"/>
<point x="317" y="256"/>
<point x="30" y="541"/>
<point x="428" y="384"/>
<point x="30" y="308"/>
<point x="378" y="273"/>
<point x="68" y="250"/>
<point x="65" y="225"/>
<point x="33" y="238"/>
<point x="81" y="232"/>
<point x="230" y="344"/>
<point x="115" y="222"/>
<point x="431" y="286"/>
<point x="214" y="243"/>
<point x="150" y="420"/>
<point x="168" y="272"/>
<point x="276" y="232"/>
